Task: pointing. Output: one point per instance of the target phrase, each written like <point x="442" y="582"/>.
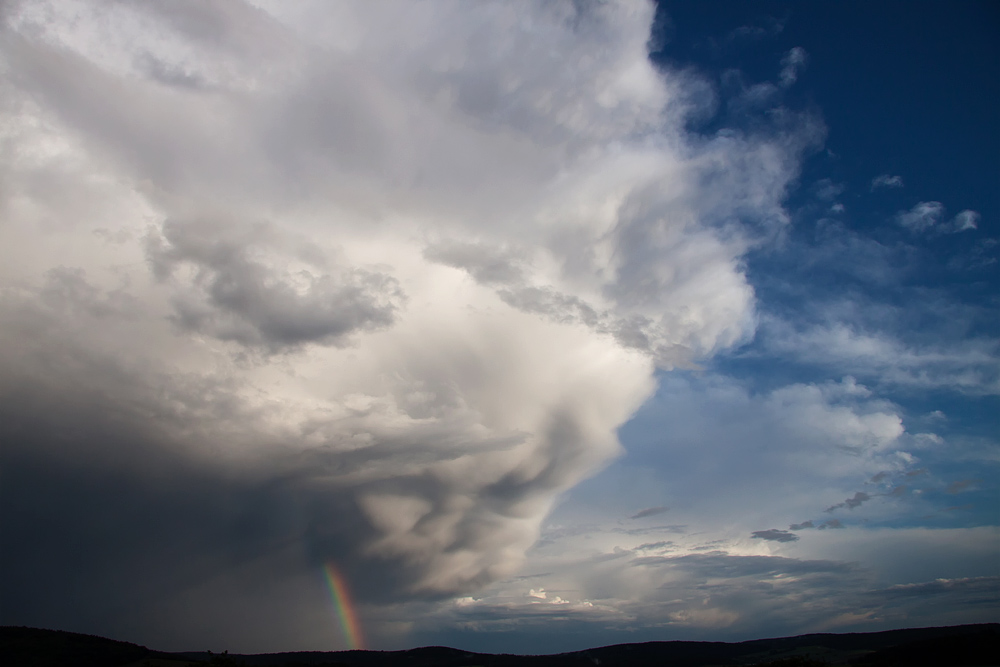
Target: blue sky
<point x="546" y="325"/>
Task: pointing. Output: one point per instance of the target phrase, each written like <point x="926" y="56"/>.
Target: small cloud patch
<point x="774" y="535"/>
<point x="928" y="217"/>
<point x="859" y="498"/>
<point x="965" y="220"/>
<point x="886" y="181"/>
<point x="792" y="65"/>
<point x="960" y="485"/>
<point x="649" y="511"/>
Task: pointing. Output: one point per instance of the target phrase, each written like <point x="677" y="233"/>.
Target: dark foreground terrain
<point x="958" y="646"/>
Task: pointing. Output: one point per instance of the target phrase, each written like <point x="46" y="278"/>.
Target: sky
<point x="508" y="326"/>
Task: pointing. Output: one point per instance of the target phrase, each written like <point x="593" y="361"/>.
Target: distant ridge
<point x="32" y="647"/>
<point x="954" y="646"/>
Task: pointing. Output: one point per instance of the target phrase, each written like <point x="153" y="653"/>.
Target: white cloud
<point x="923" y="217"/>
<point x="887" y="181"/>
<point x="965" y="220"/>
<point x="971" y="365"/>
<point x="928" y="217"/>
<point x="792" y="65"/>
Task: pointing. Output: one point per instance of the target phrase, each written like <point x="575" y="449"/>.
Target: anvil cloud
<point x="395" y="271"/>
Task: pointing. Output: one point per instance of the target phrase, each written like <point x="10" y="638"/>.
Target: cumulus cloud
<point x="928" y="217"/>
<point x="923" y="217"/>
<point x="293" y="284"/>
<point x="886" y="181"/>
<point x="965" y="220"/>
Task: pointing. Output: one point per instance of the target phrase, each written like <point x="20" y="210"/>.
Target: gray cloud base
<point x="234" y="297"/>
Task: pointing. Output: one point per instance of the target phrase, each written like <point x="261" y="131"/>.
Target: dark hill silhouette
<point x="31" y="647"/>
<point x="956" y="646"/>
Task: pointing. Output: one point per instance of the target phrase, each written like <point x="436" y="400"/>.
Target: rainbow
<point x="345" y="608"/>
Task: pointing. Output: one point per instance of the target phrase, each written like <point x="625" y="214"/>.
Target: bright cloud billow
<point x="373" y="286"/>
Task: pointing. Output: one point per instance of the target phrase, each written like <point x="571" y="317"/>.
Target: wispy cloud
<point x="923" y="217"/>
<point x="857" y="500"/>
<point x="970" y="365"/>
<point x="649" y="511"/>
<point x="711" y="595"/>
<point x="886" y="181"/>
<point x="792" y="65"/>
<point x="928" y="217"/>
<point x="766" y="28"/>
<point x="965" y="220"/>
<point x="774" y="535"/>
<point x="961" y="485"/>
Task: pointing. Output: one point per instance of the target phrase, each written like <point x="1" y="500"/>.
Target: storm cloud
<point x="355" y="283"/>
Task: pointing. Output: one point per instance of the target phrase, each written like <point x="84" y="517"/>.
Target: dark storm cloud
<point x="135" y="489"/>
<point x="801" y="526"/>
<point x="133" y="494"/>
<point x="106" y="514"/>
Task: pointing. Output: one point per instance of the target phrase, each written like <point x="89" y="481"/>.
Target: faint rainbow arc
<point x="345" y="607"/>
